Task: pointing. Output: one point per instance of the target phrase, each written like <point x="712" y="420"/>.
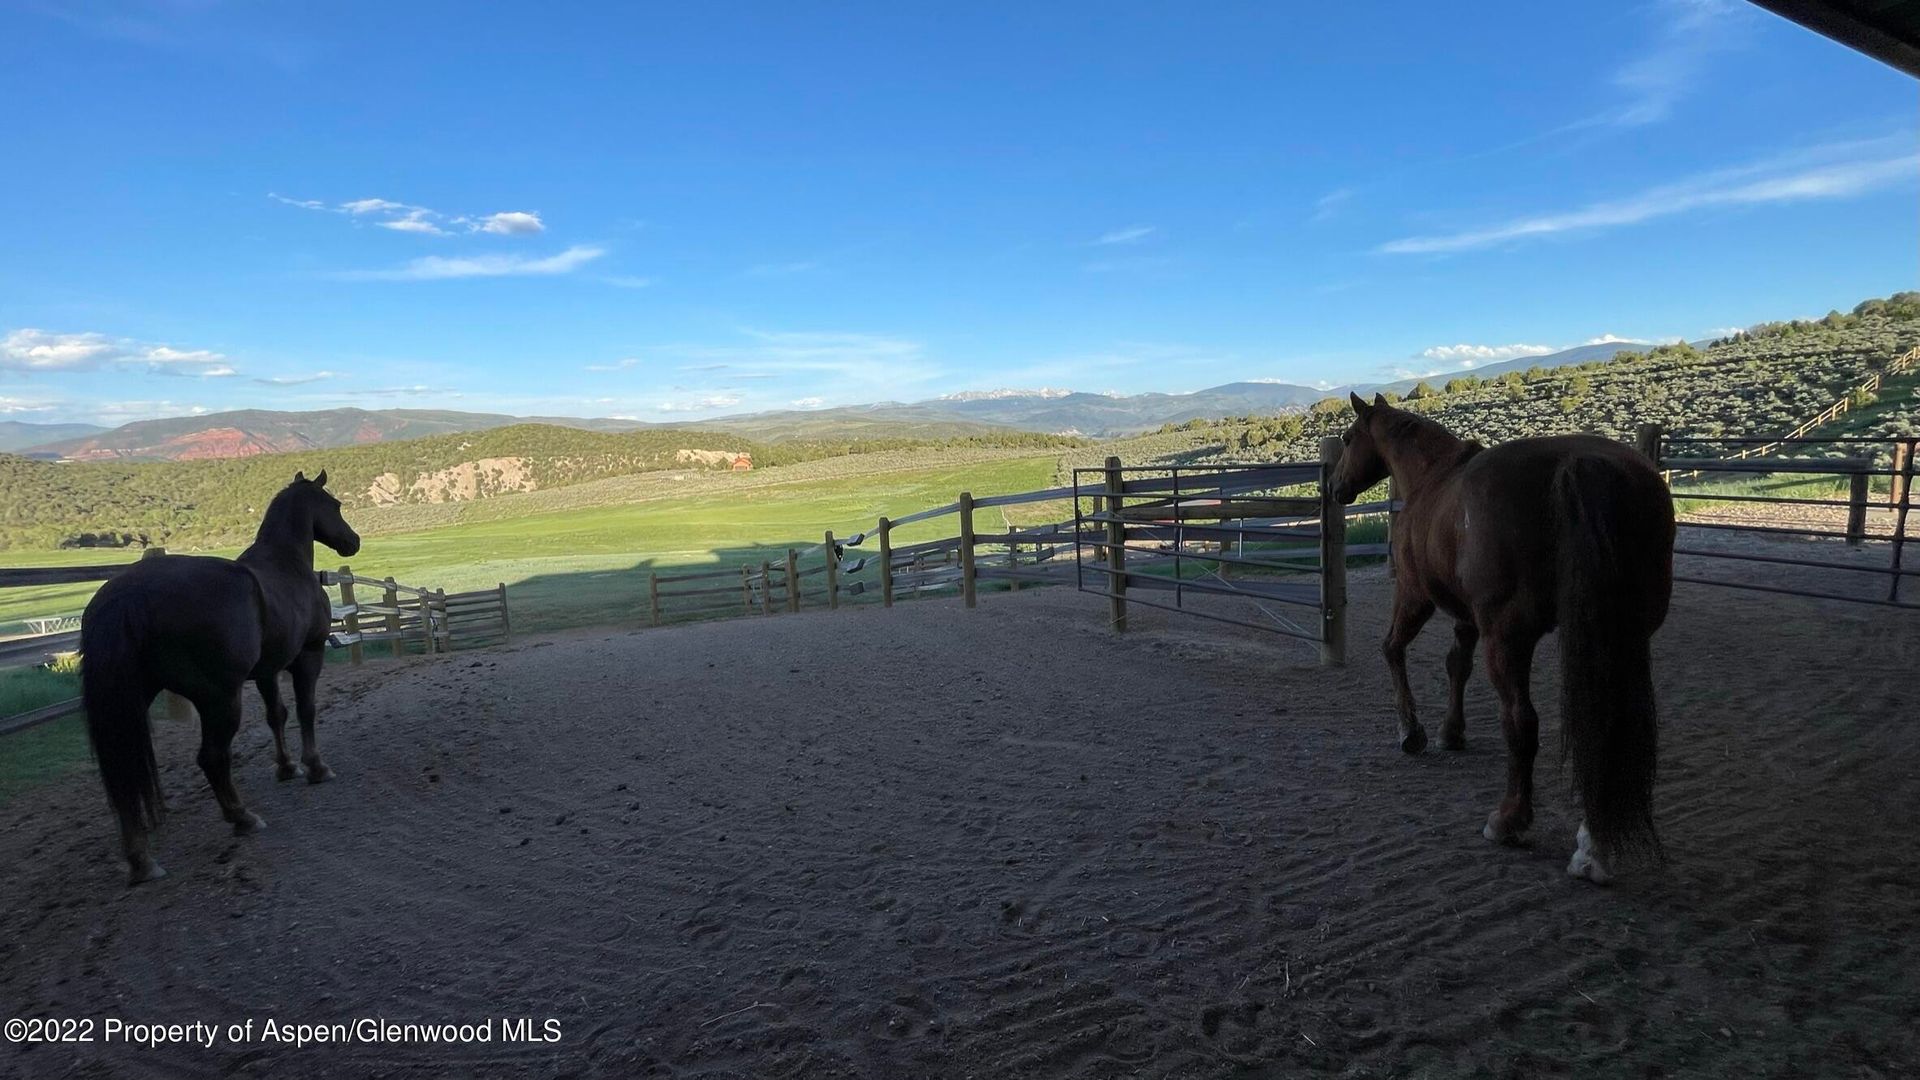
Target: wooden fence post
<point x="1333" y="560"/>
<point x="746" y="590"/>
<point x="176" y="707"/>
<point x="1013" y="562"/>
<point x="793" y="580"/>
<point x="446" y="624"/>
<point x="653" y="598"/>
<point x="966" y="548"/>
<point x="766" y="587"/>
<point x="1902" y="474"/>
<point x="353" y="613"/>
<point x="1646" y="439"/>
<point x="1857" y="509"/>
<point x="390" y="599"/>
<point x="886" y="563"/>
<point x="1116" y="546"/>
<point x="506" y="625"/>
<point x="833" y="574"/>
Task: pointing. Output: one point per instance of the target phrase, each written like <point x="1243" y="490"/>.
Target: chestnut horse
<point x="1571" y="531"/>
<point x="202" y="627"/>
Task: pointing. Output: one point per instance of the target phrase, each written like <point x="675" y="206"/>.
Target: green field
<point x="588" y="565"/>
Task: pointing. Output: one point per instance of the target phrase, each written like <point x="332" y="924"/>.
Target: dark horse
<point x="1571" y="531"/>
<point x="201" y="627"/>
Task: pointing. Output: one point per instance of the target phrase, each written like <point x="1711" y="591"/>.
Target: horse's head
<point x="1362" y="465"/>
<point x="329" y="527"/>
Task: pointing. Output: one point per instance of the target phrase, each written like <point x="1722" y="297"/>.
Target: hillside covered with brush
<point x="1762" y="382"/>
<point x="47" y="504"/>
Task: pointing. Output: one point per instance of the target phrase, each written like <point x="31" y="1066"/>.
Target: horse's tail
<point x="112" y="690"/>
<point x="1613" y="584"/>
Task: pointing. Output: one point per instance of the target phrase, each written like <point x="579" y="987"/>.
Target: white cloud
<point x="296" y="380"/>
<point x="1614" y="339"/>
<point x="407" y="218"/>
<point x="1132" y="234"/>
<point x="441" y="267"/>
<point x="808" y="402"/>
<point x="1660" y="74"/>
<point x="13" y="406"/>
<point x="512" y="223"/>
<point x="41" y="350"/>
<point x="1475" y="355"/>
<point x="617" y="365"/>
<point x="1832" y="172"/>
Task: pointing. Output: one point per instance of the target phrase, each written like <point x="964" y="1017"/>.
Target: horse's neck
<point x="283" y="542"/>
<point x="1423" y="460"/>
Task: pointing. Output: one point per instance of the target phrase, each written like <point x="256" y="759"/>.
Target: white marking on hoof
<point x="251" y="823"/>
<point x="153" y="872"/>
<point x="1586" y="860"/>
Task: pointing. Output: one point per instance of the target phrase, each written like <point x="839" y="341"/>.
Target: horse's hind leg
<point x="283" y="766"/>
<point x="1510" y="667"/>
<point x="1409" y="616"/>
<point x="1453" y="733"/>
<point x="306" y="675"/>
<point x="219" y="721"/>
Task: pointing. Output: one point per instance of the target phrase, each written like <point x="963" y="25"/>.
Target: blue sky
<point x="676" y="211"/>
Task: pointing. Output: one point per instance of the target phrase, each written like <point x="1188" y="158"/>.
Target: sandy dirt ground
<point x="928" y="842"/>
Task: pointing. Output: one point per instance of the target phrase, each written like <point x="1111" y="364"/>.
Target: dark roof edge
<point x="1883" y="40"/>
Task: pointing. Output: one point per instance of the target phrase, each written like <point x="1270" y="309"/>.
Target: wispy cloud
<point x="442" y="267"/>
<point x="628" y="281"/>
<point x="13" y="406"/>
<point x="408" y="218"/>
<point x="1326" y="206"/>
<point x="34" y="350"/>
<point x="1833" y="172"/>
<point x="617" y="365"/>
<point x="1686" y="35"/>
<point x="296" y="380"/>
<point x="1131" y="234"/>
<point x="807" y="402"/>
<point x="706" y="404"/>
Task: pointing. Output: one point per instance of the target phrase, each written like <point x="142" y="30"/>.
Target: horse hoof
<point x="1585" y="863"/>
<point x="251" y="823"/>
<point x="1413" y="741"/>
<point x="1500" y="831"/>
<point x="152" y="871"/>
<point x="289" y="771"/>
<point x="1453" y="742"/>
<point x="319" y="774"/>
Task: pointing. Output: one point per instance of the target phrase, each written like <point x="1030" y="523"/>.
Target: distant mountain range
<point x="247" y="432"/>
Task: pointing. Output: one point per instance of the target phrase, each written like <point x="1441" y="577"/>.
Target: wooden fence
<point x="403" y="617"/>
<point x="1150" y="536"/>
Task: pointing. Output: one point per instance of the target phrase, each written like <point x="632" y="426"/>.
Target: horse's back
<point x="191" y="618"/>
<point x="1514" y="504"/>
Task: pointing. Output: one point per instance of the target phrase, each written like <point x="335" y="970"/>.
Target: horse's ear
<point x="321" y="480"/>
<point x="1379" y="398"/>
<point x="300" y="477"/>
<point x="1360" y="405"/>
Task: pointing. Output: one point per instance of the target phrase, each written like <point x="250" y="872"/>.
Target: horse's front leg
<point x="283" y="766"/>
<point x="1510" y="668"/>
<point x="306" y="675"/>
<point x="1409" y="615"/>
<point x="1453" y="733"/>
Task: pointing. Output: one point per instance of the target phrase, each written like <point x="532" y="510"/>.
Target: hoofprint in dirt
<point x="1007" y="842"/>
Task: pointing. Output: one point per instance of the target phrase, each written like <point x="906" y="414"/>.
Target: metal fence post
<point x="1116" y="546"/>
<point x="1333" y="560"/>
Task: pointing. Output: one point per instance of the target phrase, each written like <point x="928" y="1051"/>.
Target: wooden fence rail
<point x="402" y="617"/>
